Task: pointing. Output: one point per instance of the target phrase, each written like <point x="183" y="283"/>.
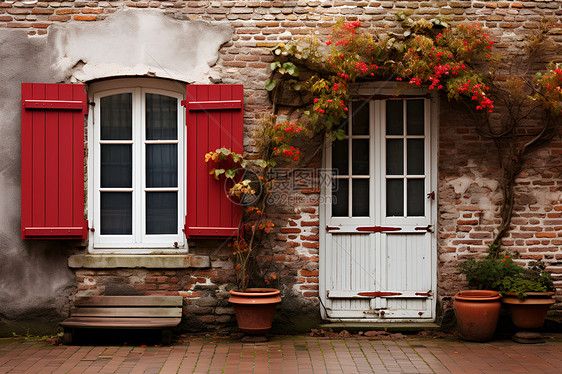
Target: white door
<point x="378" y="241"/>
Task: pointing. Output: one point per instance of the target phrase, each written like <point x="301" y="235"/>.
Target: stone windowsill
<point x="111" y="261"/>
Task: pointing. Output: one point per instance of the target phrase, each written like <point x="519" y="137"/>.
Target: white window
<point x="136" y="165"/>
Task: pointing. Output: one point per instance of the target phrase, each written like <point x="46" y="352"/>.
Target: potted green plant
<point x="254" y="300"/>
<point x="477" y="310"/>
<point x="528" y="296"/>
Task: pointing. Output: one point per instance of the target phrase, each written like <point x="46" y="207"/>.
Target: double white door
<point x="377" y="233"/>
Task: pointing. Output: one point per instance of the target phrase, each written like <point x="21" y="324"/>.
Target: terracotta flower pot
<point x="477" y="313"/>
<point x="529" y="312"/>
<point x="255" y="309"/>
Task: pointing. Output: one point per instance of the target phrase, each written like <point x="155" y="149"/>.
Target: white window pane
<point x="116" y="117"/>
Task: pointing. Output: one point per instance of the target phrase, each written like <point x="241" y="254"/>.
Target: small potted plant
<point x="477" y="310"/>
<point x="254" y="300"/>
<point x="528" y="295"/>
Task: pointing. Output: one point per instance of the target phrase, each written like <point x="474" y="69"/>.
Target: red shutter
<point x="52" y="161"/>
<point x="214" y="120"/>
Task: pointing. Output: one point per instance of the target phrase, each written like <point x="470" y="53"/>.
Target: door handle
<point x="426" y="228"/>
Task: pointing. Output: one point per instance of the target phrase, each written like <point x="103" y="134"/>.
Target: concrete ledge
<point x="107" y="261"/>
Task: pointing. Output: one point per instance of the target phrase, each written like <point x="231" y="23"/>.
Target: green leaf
<point x="261" y="163"/>
<point x="230" y="173"/>
<point x="274" y="65"/>
<point x="272" y="163"/>
<point x="270" y="85"/>
<point x="218" y="172"/>
<point x="291" y="68"/>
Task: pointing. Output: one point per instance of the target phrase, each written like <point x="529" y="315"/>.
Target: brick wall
<point x="468" y="187"/>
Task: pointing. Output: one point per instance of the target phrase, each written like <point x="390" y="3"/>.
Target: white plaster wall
<point x="34" y="277"/>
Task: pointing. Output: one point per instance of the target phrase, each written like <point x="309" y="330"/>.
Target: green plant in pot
<point x="251" y="183"/>
<point x="526" y="291"/>
<point x="528" y="297"/>
<point x="477" y="310"/>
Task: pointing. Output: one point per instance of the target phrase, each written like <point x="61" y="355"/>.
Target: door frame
<point x="375" y="91"/>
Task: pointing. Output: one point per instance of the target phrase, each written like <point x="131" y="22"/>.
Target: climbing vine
<point x="458" y="62"/>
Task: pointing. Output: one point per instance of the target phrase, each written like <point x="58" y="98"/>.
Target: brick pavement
<point x="287" y="354"/>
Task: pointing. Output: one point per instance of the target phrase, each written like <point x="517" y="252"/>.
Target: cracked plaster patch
<point x="132" y="42"/>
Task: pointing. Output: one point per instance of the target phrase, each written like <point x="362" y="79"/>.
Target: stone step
<point x="354" y="327"/>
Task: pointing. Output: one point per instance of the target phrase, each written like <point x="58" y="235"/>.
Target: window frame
<point x="139" y="242"/>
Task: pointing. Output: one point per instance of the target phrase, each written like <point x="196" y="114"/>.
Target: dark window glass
<point x="360" y="201"/>
<point x="340" y="195"/>
<point x="116" y="165"/>
<point x="415" y="117"/>
<point x="360" y="156"/>
<point x="394" y="157"/>
<point x="394" y="197"/>
<point x="416" y="197"/>
<point x="161" y="213"/>
<point x="340" y="154"/>
<point x="116" y="117"/>
<point x="360" y="117"/>
<point x="161" y="165"/>
<point x="161" y="117"/>
<point x="415" y="154"/>
<point x="116" y="213"/>
<point x="394" y="117"/>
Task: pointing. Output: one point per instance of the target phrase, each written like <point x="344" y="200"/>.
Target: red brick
<point x="309" y="273"/>
<point x="85" y="18"/>
<point x="311" y="244"/>
<point x="92" y="11"/>
<point x="467" y="222"/>
<point x="546" y="235"/>
<point x="310" y="223"/>
<point x="42" y="11"/>
<point x="67" y="11"/>
<point x="40" y="25"/>
<point x="18" y="24"/>
<point x="59" y="18"/>
<point x="6" y="18"/>
<point x="288" y="230"/>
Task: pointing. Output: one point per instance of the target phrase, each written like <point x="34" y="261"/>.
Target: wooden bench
<point x="124" y="312"/>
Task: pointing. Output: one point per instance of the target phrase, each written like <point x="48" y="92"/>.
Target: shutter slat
<point x="214" y="119"/>
<point x="53" y="161"/>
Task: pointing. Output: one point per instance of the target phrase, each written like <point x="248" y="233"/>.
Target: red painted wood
<point x="53" y="104"/>
<point x="52" y="171"/>
<point x="26" y="161"/>
<point x="213" y="121"/>
<point x="214" y="104"/>
<point x="378" y="229"/>
<point x="53" y="162"/>
<point x="216" y="193"/>
<point x="379" y="294"/>
<point x="53" y="231"/>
